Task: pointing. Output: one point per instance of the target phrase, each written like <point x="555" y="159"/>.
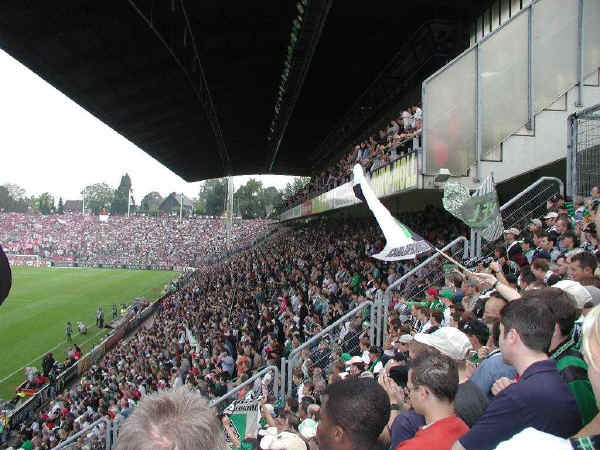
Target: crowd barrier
<point x="340" y="338"/>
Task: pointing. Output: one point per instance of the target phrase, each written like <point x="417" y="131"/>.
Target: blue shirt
<point x="492" y="368"/>
<point x="540" y="399"/>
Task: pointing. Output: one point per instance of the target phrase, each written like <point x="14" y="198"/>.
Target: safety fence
<point x="325" y="347"/>
<point x="97" y="436"/>
<point x="432" y="271"/>
<point x="583" y="151"/>
<point x="518" y="212"/>
<point x="258" y="384"/>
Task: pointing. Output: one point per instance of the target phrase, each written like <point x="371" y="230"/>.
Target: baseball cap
<point x="282" y="441"/>
<point x="513" y="230"/>
<point x="574" y="288"/>
<point x="5" y="276"/>
<point x="355" y="360"/>
<point x="536" y="222"/>
<point x="448" y="340"/>
<point x="345" y="357"/>
<point x="447" y="293"/>
<point x="551" y="215"/>
<point x="308" y="428"/>
<point x="432" y="291"/>
<point x="405" y="339"/>
<point x="595" y="293"/>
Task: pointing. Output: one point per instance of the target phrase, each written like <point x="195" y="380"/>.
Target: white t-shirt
<point x="531" y="438"/>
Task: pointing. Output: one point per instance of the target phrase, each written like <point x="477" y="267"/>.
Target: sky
<point x="48" y="143"/>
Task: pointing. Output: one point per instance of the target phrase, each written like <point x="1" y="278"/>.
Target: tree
<point x="43" y="203"/>
<point x="212" y="195"/>
<point x="98" y="196"/>
<point x="121" y="197"/>
<point x="61" y="206"/>
<point x="252" y="199"/>
<point x="12" y="198"/>
<point x="271" y="199"/>
<point x="151" y="202"/>
<point x="15" y="191"/>
<point x="292" y="188"/>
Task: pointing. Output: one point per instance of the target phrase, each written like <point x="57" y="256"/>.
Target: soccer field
<point x="42" y="300"/>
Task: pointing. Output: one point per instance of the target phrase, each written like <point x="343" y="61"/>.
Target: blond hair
<point x="591" y="333"/>
<point x="172" y="420"/>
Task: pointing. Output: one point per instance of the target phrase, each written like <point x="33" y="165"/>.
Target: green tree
<point x="212" y="195"/>
<point x="13" y="198"/>
<point x="98" y="196"/>
<point x="250" y="198"/>
<point x="121" y="197"/>
<point x="150" y="202"/>
<point x="43" y="203"/>
<point x="61" y="206"/>
<point x="293" y="187"/>
<point x="271" y="199"/>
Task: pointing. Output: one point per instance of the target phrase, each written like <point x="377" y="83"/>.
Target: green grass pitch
<point x="34" y="316"/>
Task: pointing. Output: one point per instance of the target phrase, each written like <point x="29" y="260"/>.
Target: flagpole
<point x="452" y="260"/>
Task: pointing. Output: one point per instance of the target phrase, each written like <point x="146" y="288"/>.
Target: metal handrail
<point x="86" y="430"/>
<point x="322" y="333"/>
<point x="399" y="281"/>
<point x="249" y="381"/>
<point x="530" y="188"/>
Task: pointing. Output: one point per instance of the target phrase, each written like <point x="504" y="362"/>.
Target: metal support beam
<point x="530" y="91"/>
<point x="478" y="114"/>
<point x="580" y="74"/>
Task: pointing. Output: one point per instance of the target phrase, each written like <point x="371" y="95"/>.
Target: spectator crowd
<point x="386" y="146"/>
<point x="135" y="240"/>
<point x="505" y="354"/>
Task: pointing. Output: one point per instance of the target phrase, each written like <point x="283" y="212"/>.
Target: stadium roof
<point x="202" y="86"/>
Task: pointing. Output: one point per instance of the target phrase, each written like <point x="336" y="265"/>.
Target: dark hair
<point x="586" y="260"/>
<point x="527" y="276"/>
<point x="562" y="306"/>
<point x="425" y="310"/>
<point x="531" y="319"/>
<point x="550" y="237"/>
<point x="438" y="315"/>
<point x="438" y="373"/>
<point x="570" y="234"/>
<point x="540" y="264"/>
<point x="496" y="332"/>
<point x="360" y="406"/>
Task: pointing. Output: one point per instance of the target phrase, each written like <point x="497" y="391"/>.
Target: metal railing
<point x="217" y="402"/>
<point x="334" y="333"/>
<point x="82" y="437"/>
<point x="583" y="151"/>
<point x="528" y="204"/>
<point x="458" y="248"/>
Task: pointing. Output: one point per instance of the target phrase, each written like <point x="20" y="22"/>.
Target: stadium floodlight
<point x="442" y="176"/>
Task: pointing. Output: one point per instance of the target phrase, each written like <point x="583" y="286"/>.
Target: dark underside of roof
<point x="195" y="83"/>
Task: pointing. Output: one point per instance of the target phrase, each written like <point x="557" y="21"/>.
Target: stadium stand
<point x="372" y="153"/>
<point x="131" y="241"/>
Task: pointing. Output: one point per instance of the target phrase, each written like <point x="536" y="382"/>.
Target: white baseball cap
<point x="449" y="341"/>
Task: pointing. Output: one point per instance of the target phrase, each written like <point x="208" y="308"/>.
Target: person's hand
<point x="394" y="392"/>
<point x="501" y="384"/>
<point x="485" y="278"/>
<point x="495" y="266"/>
<point x="483" y="352"/>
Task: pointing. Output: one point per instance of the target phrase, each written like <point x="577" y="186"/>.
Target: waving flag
<point x="479" y="211"/>
<point x="401" y="242"/>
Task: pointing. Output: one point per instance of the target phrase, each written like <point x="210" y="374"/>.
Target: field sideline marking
<point x="44" y="354"/>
